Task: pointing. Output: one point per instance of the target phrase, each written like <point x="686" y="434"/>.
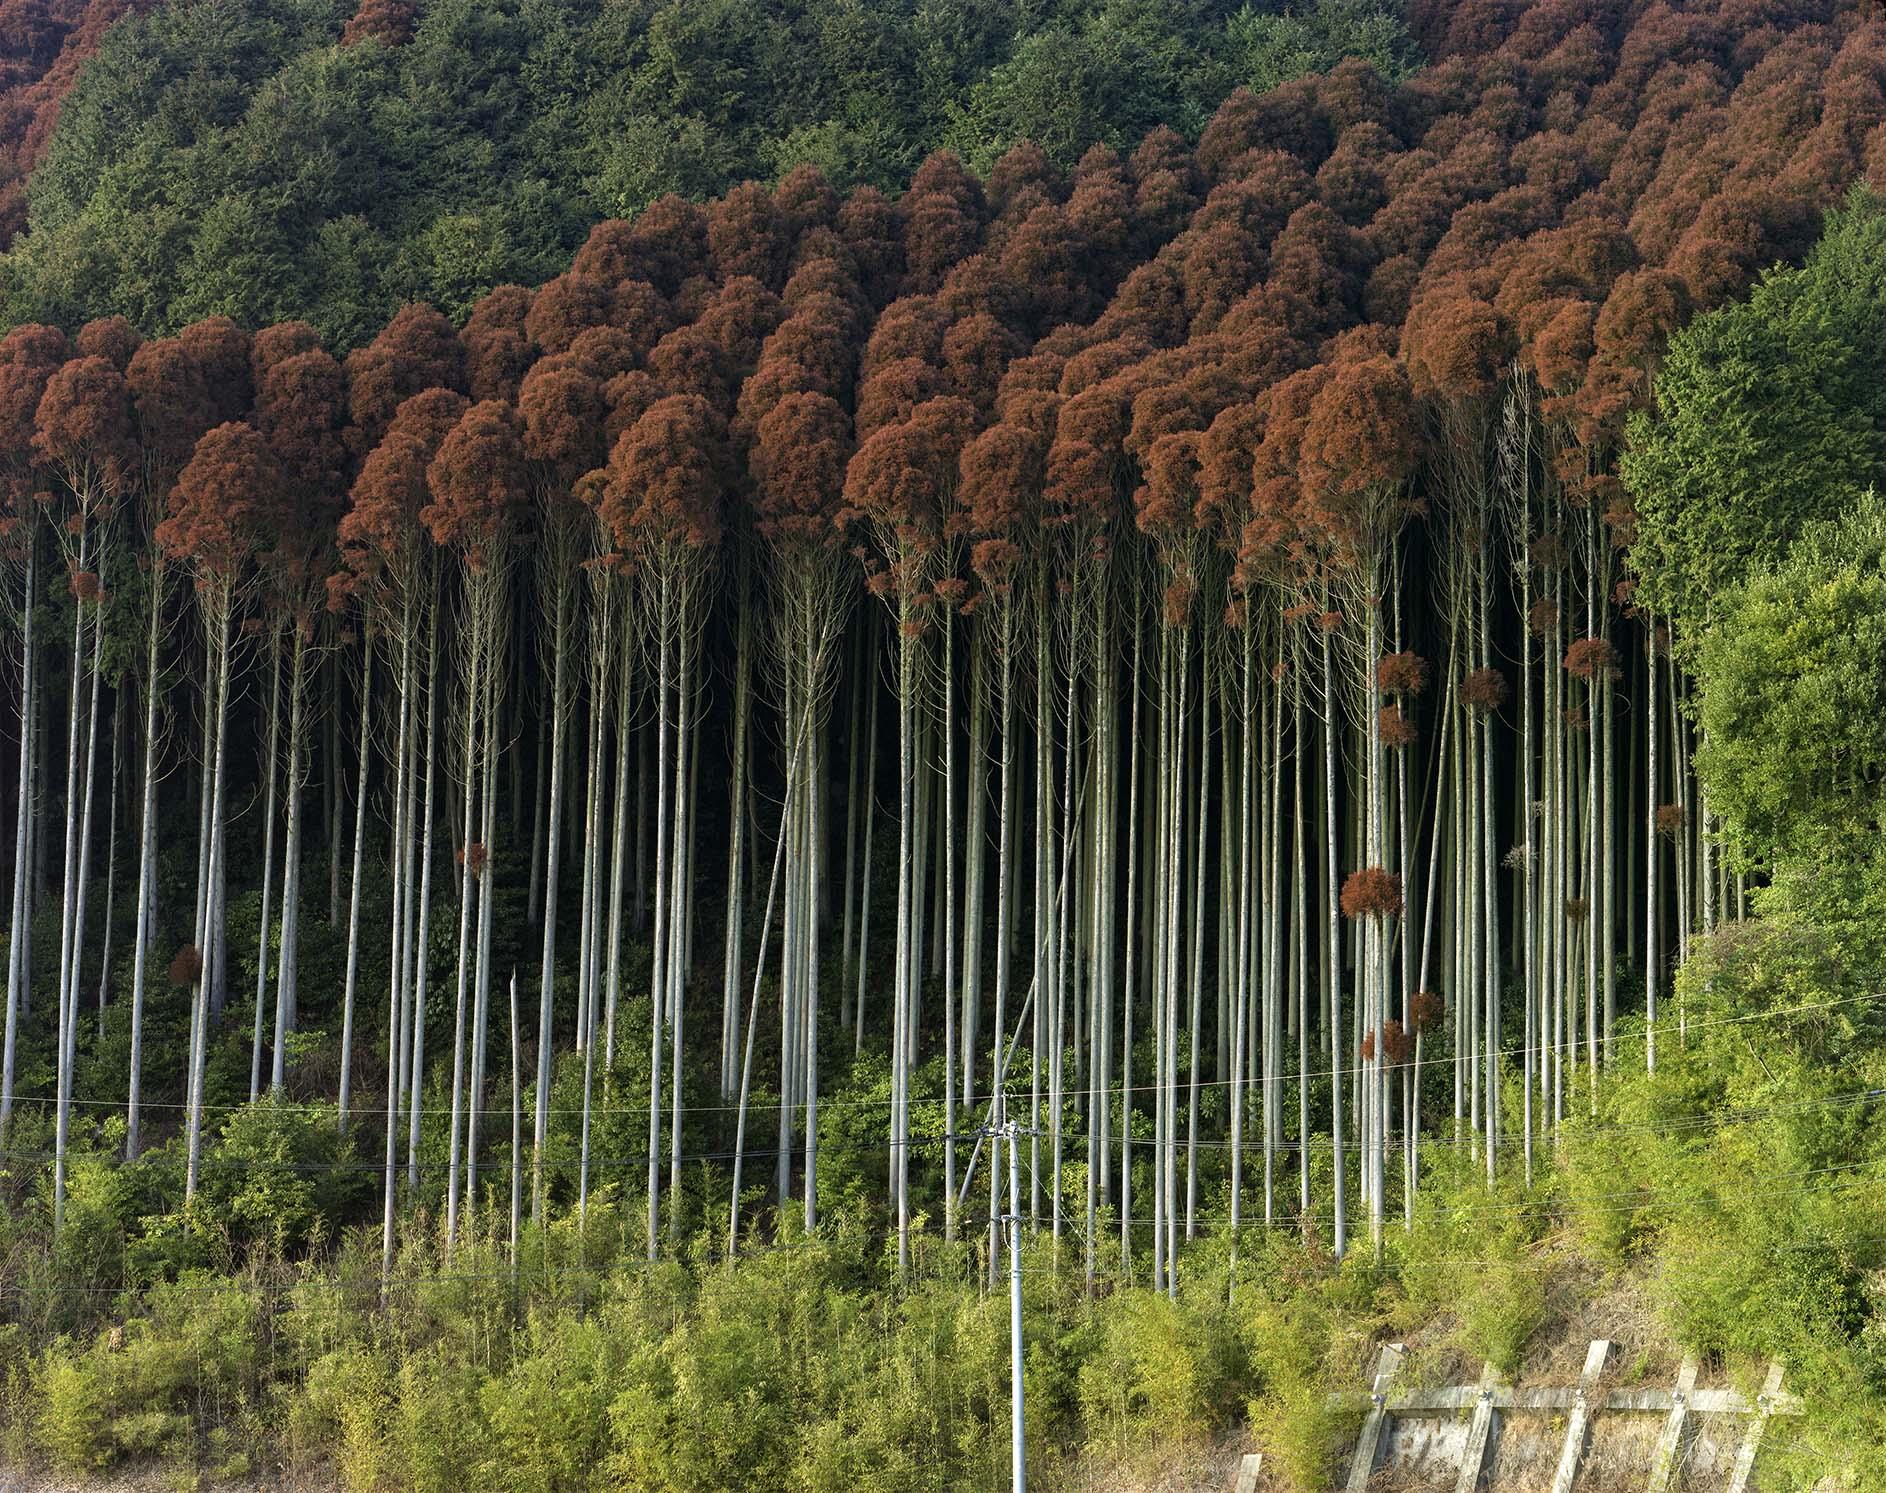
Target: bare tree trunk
<point x="559" y="581"/>
<point x="421" y="959"/>
<point x="287" y="986"/>
<point x="736" y="846"/>
<point x="1339" y="1057"/>
<point x="270" y="756"/>
<point x="663" y="950"/>
<point x="69" y="985"/>
<point x="19" y="972"/>
<point x="1132" y="960"/>
<point x="1652" y="851"/>
<point x="680" y="900"/>
<point x="469" y="781"/>
<point x="217" y="609"/>
<point x="360" y="832"/>
<point x="619" y="855"/>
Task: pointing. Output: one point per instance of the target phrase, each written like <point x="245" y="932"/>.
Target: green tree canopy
<point x="240" y="160"/>
<point x="1792" y="696"/>
<point x="1770" y="415"/>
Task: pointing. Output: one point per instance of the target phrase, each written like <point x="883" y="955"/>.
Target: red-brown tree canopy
<point x="301" y="408"/>
<point x="29" y="356"/>
<point x="942" y="220"/>
<point x="1456" y="346"/>
<point x="226" y="505"/>
<point x="382" y="528"/>
<point x="566" y="308"/>
<point x="800" y="451"/>
<point x="417" y="350"/>
<point x="1251" y="338"/>
<point x="903" y="478"/>
<point x="221" y="349"/>
<point x="389" y="22"/>
<point x="1003" y="473"/>
<point x="84" y="427"/>
<point x="666" y="476"/>
<point x="477" y="483"/>
<point x="564" y="414"/>
<point x="1360" y="437"/>
<point x="498" y="351"/>
<point x="171" y="392"/>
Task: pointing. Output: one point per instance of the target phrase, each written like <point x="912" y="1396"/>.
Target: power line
<point x="1088" y="1092"/>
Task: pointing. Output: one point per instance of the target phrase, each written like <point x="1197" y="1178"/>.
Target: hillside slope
<point x="290" y="160"/>
<point x="44" y="45"/>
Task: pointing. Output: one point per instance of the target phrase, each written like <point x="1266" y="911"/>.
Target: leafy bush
<point x="158" y="1384"/>
<point x="1158" y="1370"/>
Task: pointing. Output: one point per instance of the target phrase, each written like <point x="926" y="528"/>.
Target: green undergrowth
<point x="1733" y="1199"/>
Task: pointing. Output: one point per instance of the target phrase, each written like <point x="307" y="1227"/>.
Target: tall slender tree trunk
<point x="421" y="961"/>
<point x="19" y="971"/>
<point x="546" y="985"/>
<point x="270" y="757"/>
<point x="217" y="609"/>
<point x="1339" y="1056"/>
<point x="145" y="920"/>
<point x="360" y="834"/>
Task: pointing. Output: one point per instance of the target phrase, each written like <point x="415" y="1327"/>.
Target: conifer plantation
<point x="593" y="809"/>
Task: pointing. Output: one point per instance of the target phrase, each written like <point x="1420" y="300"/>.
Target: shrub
<point x="1159" y="1371"/>
<point x="147" y="1387"/>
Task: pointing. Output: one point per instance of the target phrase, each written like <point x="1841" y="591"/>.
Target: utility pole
<point x="997" y="1128"/>
<point x="1018" y="1455"/>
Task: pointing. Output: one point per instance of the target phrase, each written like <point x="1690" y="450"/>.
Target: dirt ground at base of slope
<point x="1209" y="1467"/>
<point x="158" y="1478"/>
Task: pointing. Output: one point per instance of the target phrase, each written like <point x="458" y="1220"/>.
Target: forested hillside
<point x="44" y="44"/>
<point x="1317" y="670"/>
<point x="301" y="159"/>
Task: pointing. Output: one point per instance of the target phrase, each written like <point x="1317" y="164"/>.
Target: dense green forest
<point x="1265" y="708"/>
<point x="291" y="160"/>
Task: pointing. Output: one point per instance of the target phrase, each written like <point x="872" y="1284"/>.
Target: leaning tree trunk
<point x="216" y="612"/>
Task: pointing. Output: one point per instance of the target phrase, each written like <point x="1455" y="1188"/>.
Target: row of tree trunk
<point x="1237" y="892"/>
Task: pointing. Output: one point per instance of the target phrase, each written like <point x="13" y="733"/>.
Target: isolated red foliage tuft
<point x="1396" y="728"/>
<point x="1591" y="658"/>
<point x="1397" y="1045"/>
<point x="1483" y="690"/>
<point x="389" y="22"/>
<point x="1401" y="673"/>
<point x="186" y="965"/>
<point x="1371" y="893"/>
